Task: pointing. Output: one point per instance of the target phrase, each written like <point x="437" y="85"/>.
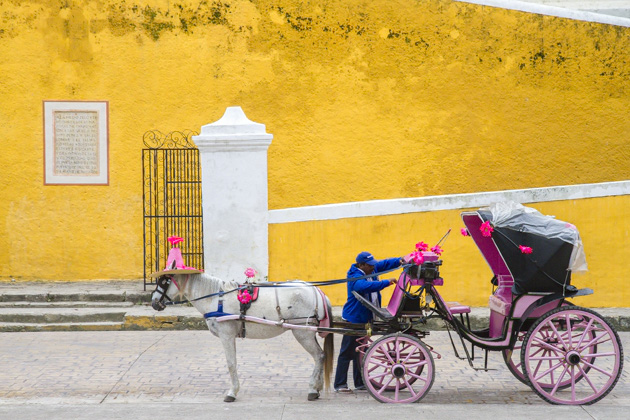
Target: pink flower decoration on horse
<point x="250" y="273"/>
<point x="418" y="258"/>
<point x="244" y="297"/>
<point x="464" y="232"/>
<point x="486" y="229"/>
<point x="421" y="246"/>
<point x="174" y="240"/>
<point x="525" y="249"/>
<point x="437" y="250"/>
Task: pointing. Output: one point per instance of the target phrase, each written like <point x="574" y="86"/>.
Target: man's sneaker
<point x="360" y="388"/>
<point x="344" y="391"/>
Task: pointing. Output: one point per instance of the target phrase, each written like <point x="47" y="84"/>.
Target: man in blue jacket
<point x="354" y="311"/>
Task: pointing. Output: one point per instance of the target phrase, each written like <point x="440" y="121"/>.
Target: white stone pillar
<point x="233" y="153"/>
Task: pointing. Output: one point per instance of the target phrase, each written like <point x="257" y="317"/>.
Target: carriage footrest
<point x="456" y="308"/>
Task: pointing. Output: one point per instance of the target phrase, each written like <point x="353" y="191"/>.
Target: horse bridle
<point x="162" y="284"/>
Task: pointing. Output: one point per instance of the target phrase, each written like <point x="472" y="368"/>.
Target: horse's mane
<point x="215" y="284"/>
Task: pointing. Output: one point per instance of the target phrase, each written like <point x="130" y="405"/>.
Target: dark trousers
<point x="348" y="354"/>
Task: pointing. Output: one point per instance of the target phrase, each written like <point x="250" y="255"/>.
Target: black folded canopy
<point x="546" y="269"/>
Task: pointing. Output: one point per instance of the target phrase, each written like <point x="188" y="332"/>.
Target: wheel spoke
<point x="378" y="363"/>
<point x="588" y="380"/>
<point x="555" y="388"/>
<point x="572" y="373"/>
<point x="397" y="389"/>
<point x="557" y="334"/>
<point x="389" y="358"/>
<point x="377" y="376"/>
<point x="397" y="348"/>
<point x="417" y="376"/>
<point x="601" y="354"/>
<point x="597" y="340"/>
<point x="586" y="330"/>
<point x="380" y="391"/>
<point x="547" y="345"/>
<point x="407" y="358"/>
<point x="548" y="371"/>
<point x="410" y="388"/>
<point x="412" y="365"/>
<point x="569" y="330"/>
<point x="537" y="367"/>
<point x="547" y="358"/>
<point x="610" y="375"/>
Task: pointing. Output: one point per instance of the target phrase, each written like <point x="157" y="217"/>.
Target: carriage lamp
<point x="430" y="271"/>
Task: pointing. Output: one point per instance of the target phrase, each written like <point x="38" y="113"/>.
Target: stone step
<point x="65" y="304"/>
<point x="62" y="315"/>
<point x="64" y="326"/>
<point x="140" y="297"/>
<point x="87" y="291"/>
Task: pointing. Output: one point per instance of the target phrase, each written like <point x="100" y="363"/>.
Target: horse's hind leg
<point x="229" y="347"/>
<point x="308" y="340"/>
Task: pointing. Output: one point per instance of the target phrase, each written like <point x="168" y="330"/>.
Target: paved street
<point x="166" y="374"/>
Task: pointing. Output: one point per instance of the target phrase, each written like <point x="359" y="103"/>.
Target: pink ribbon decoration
<point x="486" y="229"/>
<point x="464" y="232"/>
<point x="525" y="249"/>
<point x="174" y="240"/>
<point x="250" y="273"/>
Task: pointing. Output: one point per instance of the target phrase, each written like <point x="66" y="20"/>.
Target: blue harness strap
<point x="218" y="313"/>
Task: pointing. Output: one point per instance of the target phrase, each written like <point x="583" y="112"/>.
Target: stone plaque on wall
<point x="76" y="143"/>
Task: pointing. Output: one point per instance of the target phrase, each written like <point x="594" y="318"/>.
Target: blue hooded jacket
<point x="353" y="310"/>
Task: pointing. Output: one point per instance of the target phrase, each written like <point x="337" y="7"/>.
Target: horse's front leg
<point x="229" y="347"/>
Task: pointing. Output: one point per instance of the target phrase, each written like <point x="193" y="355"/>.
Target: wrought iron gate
<point x="171" y="195"/>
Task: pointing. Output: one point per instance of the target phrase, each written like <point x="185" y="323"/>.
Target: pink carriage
<point x="565" y="353"/>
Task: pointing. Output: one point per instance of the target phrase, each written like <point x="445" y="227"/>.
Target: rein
<point x="320" y="283"/>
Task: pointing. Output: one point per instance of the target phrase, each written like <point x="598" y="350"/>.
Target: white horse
<point x="296" y="303"/>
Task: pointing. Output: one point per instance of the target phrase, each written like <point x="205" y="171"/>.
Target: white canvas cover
<point x="515" y="216"/>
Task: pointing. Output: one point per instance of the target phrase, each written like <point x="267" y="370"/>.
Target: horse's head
<point x="168" y="287"/>
<point x="160" y="297"/>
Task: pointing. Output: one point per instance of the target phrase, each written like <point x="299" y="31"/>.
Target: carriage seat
<point x="455" y="308"/>
<point x="382" y="313"/>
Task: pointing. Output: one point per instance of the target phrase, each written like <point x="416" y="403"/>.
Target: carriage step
<point x="456" y="308"/>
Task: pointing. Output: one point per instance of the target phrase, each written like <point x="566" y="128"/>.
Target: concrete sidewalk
<point x="123" y="305"/>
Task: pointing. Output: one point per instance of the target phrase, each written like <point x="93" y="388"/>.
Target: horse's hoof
<point x="313" y="396"/>
<point x="229" y="398"/>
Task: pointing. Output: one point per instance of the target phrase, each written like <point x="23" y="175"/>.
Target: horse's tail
<point x="329" y="348"/>
<point x="329" y="353"/>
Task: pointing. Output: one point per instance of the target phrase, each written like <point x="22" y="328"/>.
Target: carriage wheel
<point x="583" y="355"/>
<point x="512" y="357"/>
<point x="379" y="381"/>
<point x="398" y="368"/>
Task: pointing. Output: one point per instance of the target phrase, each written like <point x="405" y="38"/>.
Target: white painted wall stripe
<point x="446" y="202"/>
<point x="552" y="11"/>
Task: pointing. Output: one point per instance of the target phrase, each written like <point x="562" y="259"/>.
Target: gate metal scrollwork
<point x="171" y="195"/>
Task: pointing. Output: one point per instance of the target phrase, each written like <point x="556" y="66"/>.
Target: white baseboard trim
<point x="446" y="202"/>
<point x="552" y="11"/>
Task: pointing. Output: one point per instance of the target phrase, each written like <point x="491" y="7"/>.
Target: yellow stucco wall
<point x="366" y="100"/>
<point x="326" y="249"/>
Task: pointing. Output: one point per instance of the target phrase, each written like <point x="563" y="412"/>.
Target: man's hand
<point x="391" y="281"/>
